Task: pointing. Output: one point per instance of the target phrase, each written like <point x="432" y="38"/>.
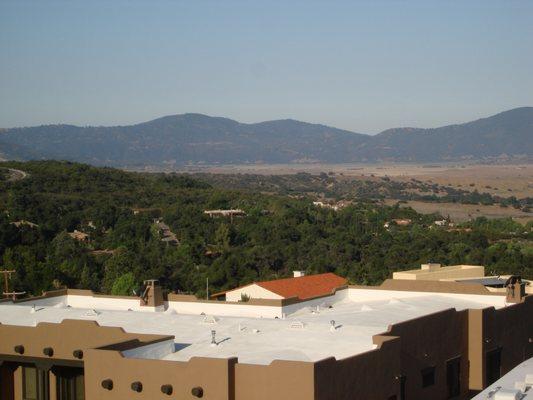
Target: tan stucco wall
<point x="452" y="272"/>
<point x="64" y="338"/>
<point x="281" y="380"/>
<point x="254" y="291"/>
<point x="214" y="376"/>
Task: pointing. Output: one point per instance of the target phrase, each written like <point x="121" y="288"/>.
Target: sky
<point x="364" y="66"/>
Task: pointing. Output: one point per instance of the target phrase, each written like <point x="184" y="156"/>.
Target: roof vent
<point x="209" y="319"/>
<point x="297" y="325"/>
<point x="35" y="309"/>
<point x="92" y="313"/>
<point x="505" y="394"/>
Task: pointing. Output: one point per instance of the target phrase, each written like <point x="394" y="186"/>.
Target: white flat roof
<point x="260" y="340"/>
<point x="515" y="383"/>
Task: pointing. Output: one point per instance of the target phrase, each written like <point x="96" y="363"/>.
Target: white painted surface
<point x="361" y="295"/>
<point x="153" y="351"/>
<point x="105" y="303"/>
<point x="358" y="314"/>
<point x="254" y="291"/>
<point x="222" y="309"/>
<point x="515" y="380"/>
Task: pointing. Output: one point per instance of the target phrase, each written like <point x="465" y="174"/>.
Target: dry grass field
<point x="502" y="180"/>
<point x="464" y="212"/>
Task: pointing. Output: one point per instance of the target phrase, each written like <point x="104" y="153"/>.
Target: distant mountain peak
<point x="195" y="138"/>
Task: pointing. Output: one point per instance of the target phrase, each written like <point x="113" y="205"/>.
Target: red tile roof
<point x="304" y="287"/>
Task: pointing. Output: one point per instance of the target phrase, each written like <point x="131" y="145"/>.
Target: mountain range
<point x="200" y="139"/>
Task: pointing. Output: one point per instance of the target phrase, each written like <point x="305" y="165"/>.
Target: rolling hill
<point x="200" y="139"/>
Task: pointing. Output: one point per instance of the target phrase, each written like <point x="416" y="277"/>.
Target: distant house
<point x="167" y="236"/>
<point x="103" y="252"/>
<point x="152" y="211"/>
<point x="398" y="222"/>
<point x="462" y="230"/>
<point x="402" y="222"/>
<point x="435" y="272"/>
<point x="22" y="222"/>
<point x="300" y="286"/>
<point x="79" y="236"/>
<point x="335" y="207"/>
<point x="441" y="222"/>
<point x="225" y="213"/>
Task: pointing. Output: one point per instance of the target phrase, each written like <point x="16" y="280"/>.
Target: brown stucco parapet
<point x="65" y="338"/>
<point x="431" y="286"/>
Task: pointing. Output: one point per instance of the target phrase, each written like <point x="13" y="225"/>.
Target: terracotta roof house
<point x="78" y="235"/>
<point x="300" y="286"/>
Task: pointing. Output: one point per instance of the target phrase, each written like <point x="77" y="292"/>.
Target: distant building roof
<point x="78" y="235"/>
<point x="435" y="271"/>
<point x="304" y="287"/>
<point x="489" y="281"/>
<point x="20" y="223"/>
<point x="225" y="213"/>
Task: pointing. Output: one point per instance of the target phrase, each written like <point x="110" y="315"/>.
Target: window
<point x="403" y="380"/>
<point x="453" y="377"/>
<point x="29" y="383"/>
<point x="428" y="376"/>
<point x="70" y="384"/>
<point x="35" y="384"/>
<point x="493" y="366"/>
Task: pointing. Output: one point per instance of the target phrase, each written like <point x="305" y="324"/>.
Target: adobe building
<point x="435" y="272"/>
<point x="398" y="341"/>
<point x="299" y="286"/>
<point x="515" y="385"/>
<point x="461" y="273"/>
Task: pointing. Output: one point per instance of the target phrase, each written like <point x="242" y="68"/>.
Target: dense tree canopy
<point x="278" y="234"/>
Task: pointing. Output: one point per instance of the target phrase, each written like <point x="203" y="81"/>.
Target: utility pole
<point x="207" y="289"/>
<point x="7" y="277"/>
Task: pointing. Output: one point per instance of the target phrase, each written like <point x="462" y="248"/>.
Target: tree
<point x="124" y="285"/>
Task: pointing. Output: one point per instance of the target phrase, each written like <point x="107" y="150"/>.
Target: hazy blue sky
<point x="363" y="66"/>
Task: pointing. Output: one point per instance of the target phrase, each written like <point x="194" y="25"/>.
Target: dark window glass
<point x="403" y="380"/>
<point x="35" y="384"/>
<point x="453" y="377"/>
<point x="428" y="376"/>
<point x="29" y="383"/>
<point x="70" y="384"/>
<point x="493" y="366"/>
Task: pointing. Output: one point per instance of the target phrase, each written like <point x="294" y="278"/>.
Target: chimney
<point x="430" y="266"/>
<point x="298" y="274"/>
<point x="515" y="289"/>
<point x="152" y="295"/>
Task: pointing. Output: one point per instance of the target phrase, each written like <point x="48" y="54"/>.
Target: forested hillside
<point x="197" y="139"/>
<point x="116" y="210"/>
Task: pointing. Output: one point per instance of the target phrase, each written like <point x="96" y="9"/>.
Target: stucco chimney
<point x="515" y="289"/>
<point x="153" y="295"/>
<point x="298" y="274"/>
